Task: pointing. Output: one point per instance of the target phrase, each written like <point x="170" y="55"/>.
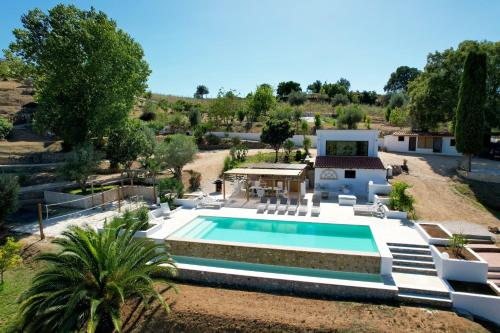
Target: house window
<point x="424" y="142"/>
<point x="452" y="143"/>
<point x="346" y="148"/>
<point x="350" y="174"/>
<point x="401" y="138"/>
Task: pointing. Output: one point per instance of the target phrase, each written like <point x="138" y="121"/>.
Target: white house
<point x="422" y="143"/>
<point x="348" y="159"/>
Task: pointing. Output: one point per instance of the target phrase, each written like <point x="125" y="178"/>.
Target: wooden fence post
<point x="102" y="196"/>
<point x="42" y="235"/>
<point x="119" y="199"/>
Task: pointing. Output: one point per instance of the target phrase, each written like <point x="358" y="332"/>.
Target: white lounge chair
<point x="303" y="206"/>
<point x="209" y="202"/>
<point x="262" y="206"/>
<point x="316" y="208"/>
<point x="165" y="208"/>
<point x="283" y="205"/>
<point x="292" y="207"/>
<point x="272" y="205"/>
<point x="156" y="216"/>
<point x="368" y="210"/>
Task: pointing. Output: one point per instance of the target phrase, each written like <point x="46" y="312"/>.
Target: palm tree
<point x="91" y="277"/>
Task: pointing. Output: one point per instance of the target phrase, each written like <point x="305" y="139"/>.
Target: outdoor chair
<point x="303" y="206"/>
<point x="368" y="210"/>
<point x="272" y="205"/>
<point x="316" y="208"/>
<point x="165" y="209"/>
<point x="292" y="208"/>
<point x="262" y="206"/>
<point x="156" y="216"/>
<point x="283" y="205"/>
<point x="209" y="202"/>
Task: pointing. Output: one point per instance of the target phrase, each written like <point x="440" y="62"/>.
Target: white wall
<point x="392" y="144"/>
<point x="359" y="185"/>
<point x="483" y="306"/>
<point x="460" y="270"/>
<point x="297" y="139"/>
<point x="348" y="135"/>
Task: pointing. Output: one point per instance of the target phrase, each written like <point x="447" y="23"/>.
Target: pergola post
<point x="224" y="187"/>
<point x="247" y="188"/>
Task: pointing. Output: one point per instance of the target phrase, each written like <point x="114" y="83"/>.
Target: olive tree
<point x="275" y="132"/>
<point x="175" y="153"/>
<point x="81" y="163"/>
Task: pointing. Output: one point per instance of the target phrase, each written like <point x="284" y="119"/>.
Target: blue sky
<point x="241" y="43"/>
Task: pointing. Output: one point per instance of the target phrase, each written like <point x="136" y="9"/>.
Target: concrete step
<point x="496" y="281"/>
<point x="473" y="241"/>
<point x="470" y="236"/>
<point x="412" y="256"/>
<point x="421" y="299"/>
<point x="494" y="275"/>
<point x="484" y="247"/>
<point x="413" y="263"/>
<point x="420" y="246"/>
<point x="411" y="290"/>
<point x="414" y="270"/>
<point x="405" y="249"/>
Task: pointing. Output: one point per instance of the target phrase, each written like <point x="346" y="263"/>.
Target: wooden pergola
<point x="291" y="176"/>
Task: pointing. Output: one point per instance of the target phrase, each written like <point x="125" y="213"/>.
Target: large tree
<point x="262" y="101"/>
<point x="398" y="81"/>
<point x="126" y="144"/>
<point x="469" y="121"/>
<point x="285" y="88"/>
<point x="275" y="132"/>
<point x="87" y="71"/>
<point x="81" y="163"/>
<point x="83" y="286"/>
<point x="224" y="108"/>
<point x="434" y="93"/>
<point x="175" y="153"/>
<point x="315" y="87"/>
<point x="201" y="91"/>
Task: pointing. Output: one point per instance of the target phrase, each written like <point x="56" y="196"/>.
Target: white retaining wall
<point x="392" y="144"/>
<point x="373" y="189"/>
<point x="460" y="270"/>
<point x="297" y="139"/>
<point x="483" y="306"/>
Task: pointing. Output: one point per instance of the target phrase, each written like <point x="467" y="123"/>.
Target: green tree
<point x="345" y="83"/>
<point x="5" y="128"/>
<point x="304" y="126"/>
<point x="332" y="89"/>
<point x="297" y="118"/>
<point x="469" y="121"/>
<point x="9" y="190"/>
<point x="194" y="117"/>
<point x="178" y="122"/>
<point x="350" y="117"/>
<point x="81" y="163"/>
<point x="126" y="144"/>
<point x="201" y="91"/>
<point x="398" y="117"/>
<point x="285" y="88"/>
<point x="87" y="71"/>
<point x="288" y="146"/>
<point x="315" y="87"/>
<point x="275" y="132"/>
<point x="398" y="81"/>
<point x="399" y="199"/>
<point x="262" y="101"/>
<point x="340" y="99"/>
<point x="176" y="153"/>
<point x="9" y="256"/>
<point x="297" y="98"/>
<point x="317" y="121"/>
<point x="93" y="274"/>
<point x="307" y="144"/>
<point x="224" y="108"/>
<point x="12" y="67"/>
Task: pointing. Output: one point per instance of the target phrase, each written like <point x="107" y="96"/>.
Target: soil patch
<point x="471" y="287"/>
<point x="464" y="255"/>
<point x="434" y="230"/>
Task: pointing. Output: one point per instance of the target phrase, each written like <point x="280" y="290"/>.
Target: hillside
<point x="15" y="99"/>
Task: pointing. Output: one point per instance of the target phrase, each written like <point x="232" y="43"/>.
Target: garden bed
<point x="97" y="189"/>
<point x="434" y="230"/>
<point x="464" y="255"/>
<point x="472" y="287"/>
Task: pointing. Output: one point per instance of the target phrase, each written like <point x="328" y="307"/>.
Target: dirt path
<point x="204" y="309"/>
<point x="432" y="179"/>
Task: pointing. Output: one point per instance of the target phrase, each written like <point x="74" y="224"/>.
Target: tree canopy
<point x="398" y="81"/>
<point x="175" y="153"/>
<point x="349" y="117"/>
<point x="315" y="87"/>
<point x="81" y="163"/>
<point x="224" y="108"/>
<point x="469" y="121"/>
<point x="275" y="132"/>
<point x="262" y="101"/>
<point x="201" y="91"/>
<point x="285" y="88"/>
<point x="87" y="71"/>
<point x="127" y="143"/>
<point x="9" y="189"/>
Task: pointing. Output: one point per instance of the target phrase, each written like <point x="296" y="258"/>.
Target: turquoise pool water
<point x="320" y="273"/>
<point x="281" y="233"/>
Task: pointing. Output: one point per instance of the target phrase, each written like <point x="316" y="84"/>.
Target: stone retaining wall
<point x="316" y="259"/>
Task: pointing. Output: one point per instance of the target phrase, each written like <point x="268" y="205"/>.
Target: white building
<point x="348" y="159"/>
<point x="421" y="143"/>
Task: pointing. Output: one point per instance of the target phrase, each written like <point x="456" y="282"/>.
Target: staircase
<point x="417" y="260"/>
<point x="491" y="253"/>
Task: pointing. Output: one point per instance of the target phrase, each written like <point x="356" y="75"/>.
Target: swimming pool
<point x="294" y="234"/>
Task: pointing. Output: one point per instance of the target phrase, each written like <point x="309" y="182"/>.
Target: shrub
<point x="398" y="117"/>
<point x="399" y="199"/>
<point x="298" y="156"/>
<point x="5" y="128"/>
<point x="297" y="98"/>
<point x="238" y="153"/>
<point x="368" y="122"/>
<point x="9" y="256"/>
<point x="171" y="186"/>
<point x="349" y="117"/>
<point x="340" y="99"/>
<point x="212" y="139"/>
<point x="457" y="244"/>
<point x="317" y="121"/>
<point x="288" y="145"/>
<point x="235" y="141"/>
<point x="228" y="163"/>
<point x="9" y="189"/>
<point x="194" y="180"/>
<point x="148" y="116"/>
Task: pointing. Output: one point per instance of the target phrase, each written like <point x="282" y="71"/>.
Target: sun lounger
<point x="368" y="210"/>
<point x="209" y="202"/>
<point x="303" y="206"/>
<point x="292" y="208"/>
<point x="262" y="206"/>
<point x="272" y="204"/>
<point x="283" y="205"/>
<point x="316" y="209"/>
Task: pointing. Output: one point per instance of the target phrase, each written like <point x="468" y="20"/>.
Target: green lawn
<point x="16" y="281"/>
<point x="97" y="189"/>
<point x="268" y="158"/>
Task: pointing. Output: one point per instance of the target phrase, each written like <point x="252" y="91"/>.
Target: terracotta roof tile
<point x="349" y="162"/>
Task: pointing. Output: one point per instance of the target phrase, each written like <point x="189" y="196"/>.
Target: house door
<point x="412" y="143"/>
<point x="437" y="145"/>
